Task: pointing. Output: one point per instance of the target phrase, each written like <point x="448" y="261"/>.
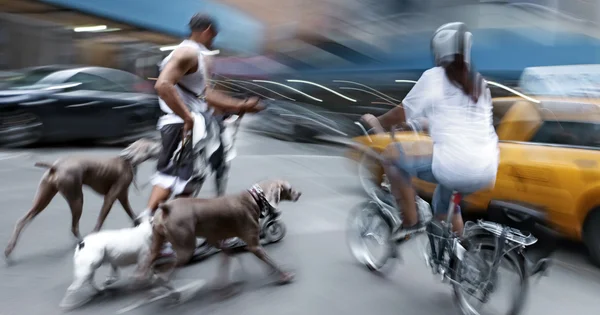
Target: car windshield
<point x="562" y="84"/>
<point x="28" y="79"/>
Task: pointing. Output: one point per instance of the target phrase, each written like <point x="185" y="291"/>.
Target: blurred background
<point x="75" y="69"/>
<point x="80" y="73"/>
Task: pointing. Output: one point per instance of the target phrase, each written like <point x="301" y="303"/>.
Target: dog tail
<point x="46" y="165"/>
<point x="78" y="249"/>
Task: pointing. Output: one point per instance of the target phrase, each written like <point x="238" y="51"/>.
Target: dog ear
<point x="273" y="194"/>
<point x="285" y="186"/>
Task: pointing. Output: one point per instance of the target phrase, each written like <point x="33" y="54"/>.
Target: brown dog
<point x="110" y="177"/>
<point x="181" y="221"/>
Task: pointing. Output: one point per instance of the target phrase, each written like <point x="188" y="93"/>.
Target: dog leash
<point x="177" y="159"/>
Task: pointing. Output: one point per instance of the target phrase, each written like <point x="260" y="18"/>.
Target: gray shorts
<point x="183" y="164"/>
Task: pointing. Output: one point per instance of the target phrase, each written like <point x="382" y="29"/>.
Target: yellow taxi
<point x="549" y="158"/>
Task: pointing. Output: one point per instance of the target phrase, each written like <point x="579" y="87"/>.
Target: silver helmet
<point x="451" y="39"/>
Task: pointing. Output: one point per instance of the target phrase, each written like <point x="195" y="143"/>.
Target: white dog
<point x="117" y="248"/>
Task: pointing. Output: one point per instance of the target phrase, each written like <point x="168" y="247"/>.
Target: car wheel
<point x="31" y="134"/>
<point x="591" y="235"/>
<point x="304" y="133"/>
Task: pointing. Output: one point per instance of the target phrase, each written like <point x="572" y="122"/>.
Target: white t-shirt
<point x="465" y="144"/>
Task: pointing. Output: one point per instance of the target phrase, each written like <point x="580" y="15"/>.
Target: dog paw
<point x="8" y="251"/>
<point x="286" y="277"/>
<point x="110" y="280"/>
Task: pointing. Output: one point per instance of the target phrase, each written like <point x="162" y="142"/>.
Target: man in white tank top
<point x="183" y="89"/>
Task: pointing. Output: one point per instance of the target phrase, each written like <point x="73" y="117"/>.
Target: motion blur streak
<point x="246" y="82"/>
<point x="363" y="90"/>
<point x="291" y="88"/>
<point x="302" y="117"/>
<point x="226" y="86"/>
<point x="513" y="91"/>
<point x="324" y="88"/>
<point x="245" y="88"/>
<point x="368" y="87"/>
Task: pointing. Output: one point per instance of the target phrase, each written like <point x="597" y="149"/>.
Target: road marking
<point x="8" y="156"/>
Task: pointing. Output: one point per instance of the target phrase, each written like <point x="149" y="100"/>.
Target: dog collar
<point x="259" y="196"/>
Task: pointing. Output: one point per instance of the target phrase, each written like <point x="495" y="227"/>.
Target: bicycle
<point x="458" y="260"/>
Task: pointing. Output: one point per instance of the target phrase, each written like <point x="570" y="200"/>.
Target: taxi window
<point x="578" y="84"/>
<point x="569" y="133"/>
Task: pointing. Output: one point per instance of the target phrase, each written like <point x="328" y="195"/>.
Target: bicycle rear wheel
<point x="472" y="281"/>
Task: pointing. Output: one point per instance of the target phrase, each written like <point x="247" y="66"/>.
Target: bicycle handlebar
<point x="393" y="129"/>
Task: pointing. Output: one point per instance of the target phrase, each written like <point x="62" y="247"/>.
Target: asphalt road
<point x="328" y="279"/>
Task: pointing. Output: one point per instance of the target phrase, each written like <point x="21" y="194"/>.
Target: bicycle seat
<point x="518" y="211"/>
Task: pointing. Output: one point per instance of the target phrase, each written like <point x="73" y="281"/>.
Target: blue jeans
<point x="421" y="168"/>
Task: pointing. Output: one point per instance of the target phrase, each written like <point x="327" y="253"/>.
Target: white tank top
<point x="194" y="82"/>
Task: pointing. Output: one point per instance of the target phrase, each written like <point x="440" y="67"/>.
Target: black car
<point x="66" y="103"/>
<point x="306" y="106"/>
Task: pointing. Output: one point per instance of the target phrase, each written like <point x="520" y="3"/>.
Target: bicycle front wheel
<point x="474" y="286"/>
<point x="368" y="236"/>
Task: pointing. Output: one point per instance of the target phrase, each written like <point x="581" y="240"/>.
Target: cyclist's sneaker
<point x="167" y="254"/>
<point x="402" y="232"/>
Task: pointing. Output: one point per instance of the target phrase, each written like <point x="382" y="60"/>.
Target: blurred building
<point x="301" y="34"/>
<point x="119" y="34"/>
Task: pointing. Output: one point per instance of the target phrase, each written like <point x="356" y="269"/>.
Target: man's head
<point x="204" y="29"/>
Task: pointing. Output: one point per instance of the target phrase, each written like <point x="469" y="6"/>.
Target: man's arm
<point x="183" y="61"/>
<point x="224" y="103"/>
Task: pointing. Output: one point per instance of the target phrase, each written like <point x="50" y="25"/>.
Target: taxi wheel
<point x="591" y="235"/>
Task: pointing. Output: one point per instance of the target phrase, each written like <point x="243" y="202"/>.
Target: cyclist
<point x="453" y="102"/>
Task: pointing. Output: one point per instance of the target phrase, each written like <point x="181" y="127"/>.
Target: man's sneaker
<point x="402" y="232"/>
<point x="232" y="242"/>
<point x="138" y="220"/>
<point x="200" y="242"/>
<point x="167" y="255"/>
